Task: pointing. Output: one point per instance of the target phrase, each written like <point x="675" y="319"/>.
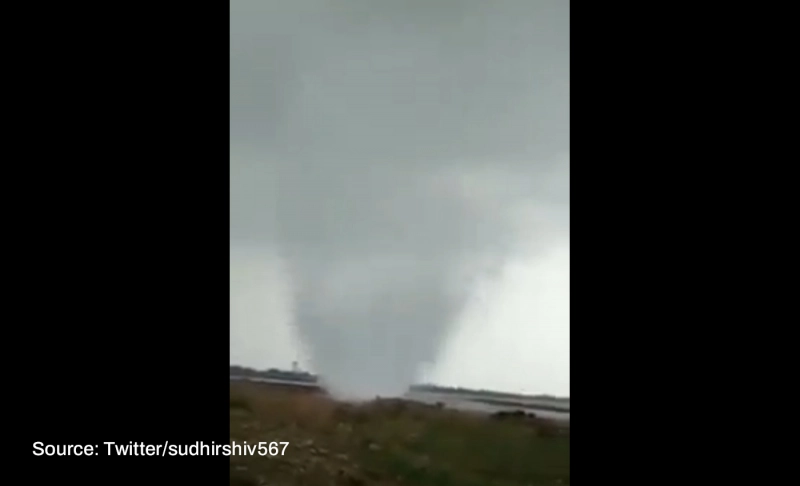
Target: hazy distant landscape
<point x="487" y="401"/>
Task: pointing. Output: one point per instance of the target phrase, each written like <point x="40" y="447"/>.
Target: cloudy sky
<point x="400" y="191"/>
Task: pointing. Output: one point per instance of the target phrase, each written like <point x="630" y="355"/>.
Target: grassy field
<point x="388" y="442"/>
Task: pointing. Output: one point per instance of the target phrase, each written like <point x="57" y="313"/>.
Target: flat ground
<point x="388" y="442"/>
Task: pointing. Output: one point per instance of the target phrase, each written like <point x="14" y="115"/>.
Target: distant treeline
<point x="273" y="374"/>
<point x="305" y="377"/>
<point x="488" y="393"/>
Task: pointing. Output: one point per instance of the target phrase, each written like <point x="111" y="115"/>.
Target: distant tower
<point x="295" y="368"/>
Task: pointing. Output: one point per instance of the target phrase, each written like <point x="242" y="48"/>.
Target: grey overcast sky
<point x="400" y="191"/>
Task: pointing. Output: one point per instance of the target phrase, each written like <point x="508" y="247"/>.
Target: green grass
<point x="388" y="443"/>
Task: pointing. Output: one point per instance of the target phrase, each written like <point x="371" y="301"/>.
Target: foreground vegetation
<point x="388" y="442"/>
